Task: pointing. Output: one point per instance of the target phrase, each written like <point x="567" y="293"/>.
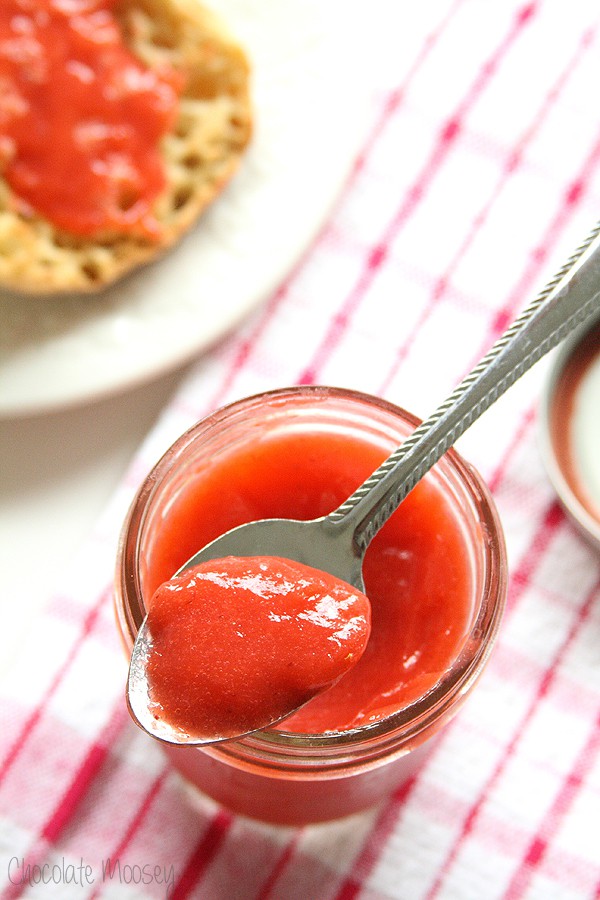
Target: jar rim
<point x="405" y="726"/>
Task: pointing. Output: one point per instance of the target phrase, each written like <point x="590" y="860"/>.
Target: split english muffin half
<point x="200" y="154"/>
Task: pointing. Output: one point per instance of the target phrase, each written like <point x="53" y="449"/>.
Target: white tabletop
<point x="57" y="472"/>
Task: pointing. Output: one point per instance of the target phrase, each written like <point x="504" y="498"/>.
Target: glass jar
<point x="293" y="778"/>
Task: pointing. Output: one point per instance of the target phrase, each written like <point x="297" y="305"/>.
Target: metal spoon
<point x="337" y="543"/>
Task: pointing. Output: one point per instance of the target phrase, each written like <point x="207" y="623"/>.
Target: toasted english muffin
<point x="200" y="155"/>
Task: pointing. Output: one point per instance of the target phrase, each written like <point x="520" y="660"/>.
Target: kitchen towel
<point x="478" y="174"/>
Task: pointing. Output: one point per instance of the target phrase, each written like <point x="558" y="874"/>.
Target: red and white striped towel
<point x="479" y="173"/>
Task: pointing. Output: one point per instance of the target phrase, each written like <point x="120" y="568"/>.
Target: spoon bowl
<point x="320" y="543"/>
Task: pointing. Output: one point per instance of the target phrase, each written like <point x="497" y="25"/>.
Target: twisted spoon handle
<point x="566" y="301"/>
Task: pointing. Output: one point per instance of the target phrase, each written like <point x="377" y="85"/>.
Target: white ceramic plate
<point x="310" y="114"/>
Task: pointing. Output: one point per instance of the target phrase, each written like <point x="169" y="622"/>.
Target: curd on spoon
<point x="235" y="645"/>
